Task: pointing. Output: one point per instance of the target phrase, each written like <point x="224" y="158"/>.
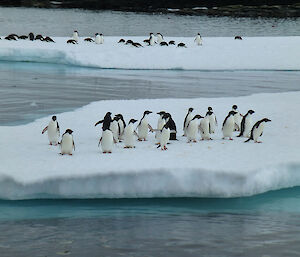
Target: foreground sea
<point x="260" y="225"/>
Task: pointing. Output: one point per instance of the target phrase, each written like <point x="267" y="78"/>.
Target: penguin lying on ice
<point x="257" y="130"/>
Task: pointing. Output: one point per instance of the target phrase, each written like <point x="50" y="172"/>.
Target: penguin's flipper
<point x="150" y="128"/>
<point x="158" y="146"/>
<point x="58" y="128"/>
<point x="99" y="141"/>
<point x="44" y="130"/>
<point x="73" y="145"/>
<point x="97" y="123"/>
<point x="247" y="140"/>
<point x="136" y="134"/>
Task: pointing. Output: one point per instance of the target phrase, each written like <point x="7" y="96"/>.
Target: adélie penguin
<point x="212" y="120"/>
<point x="106" y="141"/>
<point x="165" y="133"/>
<point x="130" y="135"/>
<point x="99" y="39"/>
<point x="237" y="118"/>
<point x="67" y="143"/>
<point x="246" y="124"/>
<point x="198" y="40"/>
<point x="187" y="119"/>
<point x="143" y="127"/>
<point x="75" y="35"/>
<point x="257" y="130"/>
<point x="52" y="131"/>
<point x="122" y="126"/>
<point x="160" y="38"/>
<point x="228" y="125"/>
<point x="204" y="127"/>
<point x="106" y="121"/>
<point x="160" y="123"/>
<point x="152" y="39"/>
<point x="192" y="129"/>
<point x="172" y="127"/>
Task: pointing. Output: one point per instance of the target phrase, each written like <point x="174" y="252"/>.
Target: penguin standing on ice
<point x="52" y="131"/>
<point x="143" y="127"/>
<point x="122" y="126"/>
<point x="130" y="134"/>
<point x="152" y="40"/>
<point x="172" y="127"/>
<point x="75" y="35"/>
<point x="257" y="130"/>
<point x="204" y="127"/>
<point x="160" y="123"/>
<point x="198" y="40"/>
<point x="67" y="143"/>
<point x="246" y="124"/>
<point x="187" y="119"/>
<point x="228" y="125"/>
<point x="165" y="133"/>
<point x="212" y="121"/>
<point x="237" y="118"/>
<point x="106" y="121"/>
<point x="192" y="129"/>
<point x="115" y="128"/>
<point x="106" y="141"/>
<point x="31" y="36"/>
<point x="160" y="38"/>
<point x="99" y="39"/>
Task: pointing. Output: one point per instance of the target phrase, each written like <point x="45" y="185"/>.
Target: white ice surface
<point x="218" y="53"/>
<point x="30" y="168"/>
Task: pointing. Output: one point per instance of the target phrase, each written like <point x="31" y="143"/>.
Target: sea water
<point x="261" y="225"/>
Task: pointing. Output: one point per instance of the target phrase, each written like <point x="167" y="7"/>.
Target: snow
<point x="30" y="168"/>
<point x="216" y="53"/>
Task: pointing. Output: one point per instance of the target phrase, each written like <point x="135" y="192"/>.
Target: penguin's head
<point x="69" y="131"/>
<point x="251" y="111"/>
<point x="161" y="113"/>
<point x="96" y="34"/>
<point x="209" y="113"/>
<point x="234" y="107"/>
<point x="232" y="113"/>
<point x="120" y="116"/>
<point x="197" y="116"/>
<point x="75" y="31"/>
<point x="190" y="110"/>
<point x="129" y="42"/>
<point x="209" y="109"/>
<point x="54" y="118"/>
<point x="108" y="114"/>
<point x="147" y="112"/>
<point x="132" y="121"/>
<point x="166" y="116"/>
<point x="266" y="120"/>
<point x="199" y="34"/>
<point x="101" y="34"/>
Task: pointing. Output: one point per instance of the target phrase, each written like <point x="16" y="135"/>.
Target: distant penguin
<point x="72" y="41"/>
<point x="257" y="130"/>
<point x="136" y="44"/>
<point x="39" y="37"/>
<point x="160" y="123"/>
<point x="187" y="119"/>
<point x="204" y="127"/>
<point x="143" y="127"/>
<point x="192" y="129"/>
<point x="88" y="39"/>
<point x="67" y="143"/>
<point x="31" y="36"/>
<point x="115" y="128"/>
<point x="10" y="38"/>
<point x="165" y="133"/>
<point x="48" y="39"/>
<point x="122" y="125"/>
<point x="238" y="37"/>
<point x="121" y="40"/>
<point x="181" y="45"/>
<point x="212" y="121"/>
<point x="172" y="42"/>
<point x="246" y="124"/>
<point x="228" y="125"/>
<point x="129" y="42"/>
<point x="152" y="39"/>
<point x="106" y="141"/>
<point x="106" y="121"/>
<point x="52" y="131"/>
<point x="160" y="38"/>
<point x="99" y="39"/>
<point x="130" y="135"/>
<point x="23" y="37"/>
<point x="198" y="40"/>
<point x="237" y="118"/>
<point x="163" y="43"/>
<point x="75" y="35"/>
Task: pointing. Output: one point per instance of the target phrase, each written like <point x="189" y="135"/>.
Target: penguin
<point x="75" y="36"/>
<point x="136" y="44"/>
<point x="198" y="40"/>
<point x="106" y="121"/>
<point x="172" y="127"/>
<point x="115" y="128"/>
<point x="246" y="124"/>
<point x="204" y="127"/>
<point x="39" y="37"/>
<point x="106" y="141"/>
<point x="165" y="133"/>
<point x="122" y="125"/>
<point x="49" y="39"/>
<point x="52" y="131"/>
<point x="31" y="36"/>
<point x="172" y="42"/>
<point x="181" y="45"/>
<point x="228" y="125"/>
<point x="67" y="143"/>
<point x="129" y="42"/>
<point x="237" y="118"/>
<point x="160" y="38"/>
<point x="99" y="39"/>
<point x="147" y="41"/>
<point x="212" y="121"/>
<point x="10" y="38"/>
<point x="121" y="40"/>
<point x="257" y="130"/>
<point x="143" y="127"/>
<point x="187" y="119"/>
<point x="192" y="129"/>
<point x="72" y="41"/>
<point x="238" y="37"/>
<point x="88" y="39"/>
<point x="130" y="134"/>
<point x="160" y="123"/>
<point x="13" y="35"/>
<point x="163" y="43"/>
<point x="152" y="40"/>
<point x="23" y="37"/>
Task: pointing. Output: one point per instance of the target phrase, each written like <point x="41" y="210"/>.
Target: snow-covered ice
<point x="30" y="168"/>
<point x="216" y="53"/>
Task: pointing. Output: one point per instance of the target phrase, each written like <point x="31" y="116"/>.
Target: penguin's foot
<point x="104" y="152"/>
<point x="259" y="142"/>
<point x="109" y="152"/>
<point x="145" y="139"/>
<point x="194" y="141"/>
<point x="70" y="154"/>
<point x="165" y="148"/>
<point x="50" y="143"/>
<point x="231" y="138"/>
<point x="140" y="139"/>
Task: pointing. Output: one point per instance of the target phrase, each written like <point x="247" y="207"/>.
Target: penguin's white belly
<point x="75" y="37"/>
<point x="114" y="127"/>
<point x="248" y="127"/>
<point x="257" y="131"/>
<point x="98" y="40"/>
<point x="53" y="134"/>
<point x="198" y="41"/>
<point x="159" y="39"/>
<point x="212" y="123"/>
<point x="204" y="129"/>
<point x="192" y="130"/>
<point x="121" y="135"/>
<point x="188" y="119"/>
<point x="129" y="137"/>
<point x="160" y="125"/>
<point x="67" y="144"/>
<point x="228" y="127"/>
<point x="165" y="137"/>
<point x="143" y="129"/>
<point x="238" y="120"/>
<point x="152" y="41"/>
<point x="107" y="141"/>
